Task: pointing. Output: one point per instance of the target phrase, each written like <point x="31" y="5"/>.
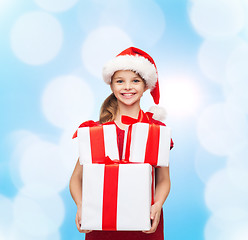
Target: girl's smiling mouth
<point x="128" y="95"/>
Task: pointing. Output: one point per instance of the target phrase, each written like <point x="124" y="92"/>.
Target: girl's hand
<point x="78" y="220"/>
<point x="155" y="217"/>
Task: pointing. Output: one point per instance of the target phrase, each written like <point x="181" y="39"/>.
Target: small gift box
<point x="117" y="196"/>
<point x="147" y="143"/>
<point x="97" y="142"/>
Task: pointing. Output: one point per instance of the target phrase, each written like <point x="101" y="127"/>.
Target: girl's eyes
<point x="135" y="81"/>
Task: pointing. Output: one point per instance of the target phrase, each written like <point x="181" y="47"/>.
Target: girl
<point x="129" y="75"/>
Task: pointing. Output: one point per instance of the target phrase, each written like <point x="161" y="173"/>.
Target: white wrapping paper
<point x="139" y="141"/>
<point x="110" y="143"/>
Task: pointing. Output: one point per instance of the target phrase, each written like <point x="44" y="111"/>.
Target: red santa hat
<point x="142" y="63"/>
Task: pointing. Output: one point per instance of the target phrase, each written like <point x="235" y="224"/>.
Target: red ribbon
<point x="143" y="117"/>
<point x="110" y="194"/>
<point x="109" y="161"/>
<point x="97" y="144"/>
<point x="152" y="144"/>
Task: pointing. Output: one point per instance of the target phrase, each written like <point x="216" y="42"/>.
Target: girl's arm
<point x="76" y="193"/>
<point x="162" y="189"/>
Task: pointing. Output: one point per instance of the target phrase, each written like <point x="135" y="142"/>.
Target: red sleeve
<point x="89" y="123"/>
<point x="161" y="123"/>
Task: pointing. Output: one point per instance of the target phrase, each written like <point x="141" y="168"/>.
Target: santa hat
<point x="142" y="63"/>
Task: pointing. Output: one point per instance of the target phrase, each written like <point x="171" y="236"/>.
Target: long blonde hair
<point x="108" y="109"/>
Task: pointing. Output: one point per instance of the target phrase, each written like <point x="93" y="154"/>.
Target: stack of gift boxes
<point x="118" y="194"/>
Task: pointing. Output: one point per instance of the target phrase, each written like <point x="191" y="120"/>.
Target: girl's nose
<point x="128" y="86"/>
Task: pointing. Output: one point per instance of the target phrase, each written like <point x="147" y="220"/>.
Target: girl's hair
<point x="108" y="109"/>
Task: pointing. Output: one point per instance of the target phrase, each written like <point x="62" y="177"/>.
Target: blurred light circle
<point x="101" y="45"/>
<point x="237" y="73"/>
<point x="149" y="19"/>
<point x="69" y="152"/>
<point x="206" y="164"/>
<point x="85" y="10"/>
<point x="19" y="234"/>
<point x="217" y="18"/>
<point x="56" y="5"/>
<point x="222" y="128"/>
<point x="41" y="164"/>
<point x="213" y="56"/>
<point x="6" y="210"/>
<point x="213" y="228"/>
<point x="117" y="12"/>
<point x="21" y="140"/>
<point x="67" y="100"/>
<point x="36" y="37"/>
<point x="241" y="233"/>
<point x="237" y="169"/>
<point x="38" y="217"/>
<point x="180" y="95"/>
<point x="221" y="193"/>
<point x="229" y="229"/>
<point x="37" y="190"/>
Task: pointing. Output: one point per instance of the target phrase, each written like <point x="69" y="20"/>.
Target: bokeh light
<point x="180" y="95"/>
<point x="217" y="18"/>
<point x="56" y="5"/>
<point x="38" y="163"/>
<point x="95" y="54"/>
<point x="237" y="87"/>
<point x="222" y="128"/>
<point x="213" y="57"/>
<point x="39" y="217"/>
<point x="36" y="37"/>
<point x="63" y="101"/>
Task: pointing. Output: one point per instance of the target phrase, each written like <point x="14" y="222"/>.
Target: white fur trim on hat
<point x="136" y="63"/>
<point x="159" y="113"/>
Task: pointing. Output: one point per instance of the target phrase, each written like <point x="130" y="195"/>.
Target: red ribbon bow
<point x="143" y="117"/>
<point x="109" y="161"/>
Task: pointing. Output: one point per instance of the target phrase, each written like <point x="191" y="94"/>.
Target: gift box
<point x="117" y="196"/>
<point x="147" y="143"/>
<point x="96" y="143"/>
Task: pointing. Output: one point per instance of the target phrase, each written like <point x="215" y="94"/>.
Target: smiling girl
<point x="129" y="75"/>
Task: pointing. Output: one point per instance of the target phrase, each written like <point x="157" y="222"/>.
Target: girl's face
<point x="128" y="87"/>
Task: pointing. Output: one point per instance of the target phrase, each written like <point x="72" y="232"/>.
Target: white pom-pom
<point x="159" y="113"/>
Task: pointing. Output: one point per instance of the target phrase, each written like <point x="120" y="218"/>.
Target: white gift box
<point x="97" y="142"/>
<point x="127" y="207"/>
<point x="149" y="143"/>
